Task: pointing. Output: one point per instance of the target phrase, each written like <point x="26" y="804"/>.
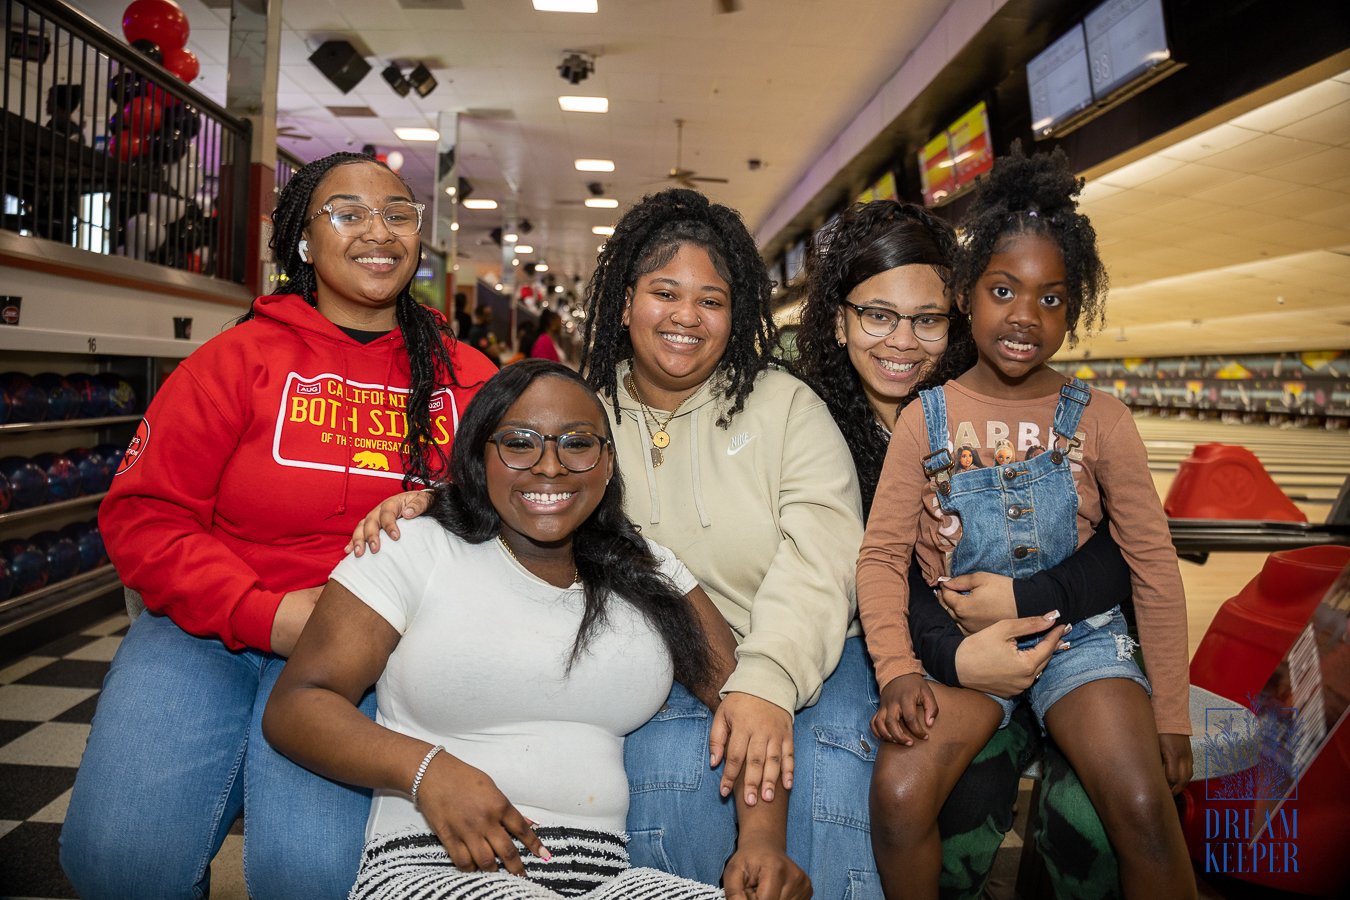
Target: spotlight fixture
<point x="394" y="75"/>
<point x="524" y="226"/>
<point x="422" y="80"/>
<point x="596" y="188"/>
<point x="465" y="189"/>
<point x="576" y="66"/>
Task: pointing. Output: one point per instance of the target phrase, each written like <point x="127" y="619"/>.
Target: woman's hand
<point x="760" y="871"/>
<point x="473" y="818"/>
<point x="991" y="661"/>
<point x="1178" y="765"/>
<point x="291" y="617"/>
<point x="756" y="734"/>
<point x="407" y="505"/>
<point x="978" y="599"/>
<point x="908" y="707"/>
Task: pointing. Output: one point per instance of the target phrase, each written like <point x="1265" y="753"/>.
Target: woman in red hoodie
<point x="235" y="499"/>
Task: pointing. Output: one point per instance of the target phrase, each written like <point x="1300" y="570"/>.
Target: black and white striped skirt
<point x="592" y="865"/>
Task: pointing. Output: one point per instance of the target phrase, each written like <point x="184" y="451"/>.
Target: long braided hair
<point x="425" y="334"/>
<point x="646" y="238"/>
<point x="1034" y="195"/>
<point x="864" y="241"/>
<point x="611" y="556"/>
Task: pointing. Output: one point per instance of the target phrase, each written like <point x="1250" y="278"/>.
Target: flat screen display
<point x="1125" y="38"/>
<point x="1058" y="82"/>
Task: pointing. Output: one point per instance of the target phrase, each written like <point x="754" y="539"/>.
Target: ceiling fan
<point x="687" y="177"/>
<point x="292" y="133"/>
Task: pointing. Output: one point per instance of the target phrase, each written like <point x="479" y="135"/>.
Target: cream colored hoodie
<point x="766" y="514"/>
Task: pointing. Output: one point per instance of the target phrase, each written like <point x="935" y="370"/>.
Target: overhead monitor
<point x="1125" y="39"/>
<point x="1059" y="83"/>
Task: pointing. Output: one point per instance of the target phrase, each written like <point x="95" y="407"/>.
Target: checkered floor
<point x="47" y="701"/>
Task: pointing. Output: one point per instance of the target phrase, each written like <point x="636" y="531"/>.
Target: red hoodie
<point x="256" y="460"/>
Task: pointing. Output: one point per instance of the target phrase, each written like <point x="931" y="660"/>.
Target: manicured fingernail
<point x="546" y="856"/>
<point x="1052" y="615"/>
<point x="943" y="579"/>
<point x="725" y="790"/>
<point x="1068" y="628"/>
<point x="768" y="794"/>
<point x="1064" y="645"/>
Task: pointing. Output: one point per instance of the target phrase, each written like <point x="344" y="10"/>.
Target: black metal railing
<point x="107" y="151"/>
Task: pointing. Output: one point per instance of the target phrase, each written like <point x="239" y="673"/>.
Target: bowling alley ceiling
<point x="1230" y="234"/>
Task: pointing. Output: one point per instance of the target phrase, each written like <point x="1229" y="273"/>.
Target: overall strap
<point x="1073" y="399"/>
<point x="937" y="465"/>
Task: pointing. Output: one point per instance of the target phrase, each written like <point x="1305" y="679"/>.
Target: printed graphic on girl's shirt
<point x="327" y="422"/>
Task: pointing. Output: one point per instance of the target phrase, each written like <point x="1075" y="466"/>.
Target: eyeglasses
<point x="879" y="322"/>
<point x="522" y="448"/>
<point x="402" y="218"/>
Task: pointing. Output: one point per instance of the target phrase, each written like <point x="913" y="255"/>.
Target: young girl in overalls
<point x="1027" y="275"/>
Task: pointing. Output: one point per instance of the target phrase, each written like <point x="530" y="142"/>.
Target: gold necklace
<point x="660" y="437"/>
<point x="576" y="576"/>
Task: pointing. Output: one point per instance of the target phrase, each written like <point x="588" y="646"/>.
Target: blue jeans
<point x="678" y="822"/>
<point x="175" y="752"/>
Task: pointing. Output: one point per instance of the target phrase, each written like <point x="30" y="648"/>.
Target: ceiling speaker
<point x="341" y="64"/>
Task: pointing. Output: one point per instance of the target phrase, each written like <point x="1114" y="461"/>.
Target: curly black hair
<point x="611" y="557"/>
<point x="425" y="334"/>
<point x="646" y="238"/>
<point x="866" y="240"/>
<point x="1034" y="195"/>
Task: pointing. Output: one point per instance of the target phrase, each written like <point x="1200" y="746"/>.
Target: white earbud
<point x="303" y="248"/>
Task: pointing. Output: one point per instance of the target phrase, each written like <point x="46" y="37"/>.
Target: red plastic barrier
<point x="1223" y="481"/>
<point x="1248" y="638"/>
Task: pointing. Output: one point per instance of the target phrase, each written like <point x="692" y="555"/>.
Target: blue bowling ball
<point x="63" y="479"/>
<point x="95" y="476"/>
<point x="112" y="456"/>
<point x="27" y="482"/>
<point x="121" y="395"/>
<point x="63" y="557"/>
<point x="27" y="565"/>
<point x="92" y="396"/>
<point x="88" y="541"/>
<point x="27" y="401"/>
<point x="6" y="495"/>
<point x="62" y="402"/>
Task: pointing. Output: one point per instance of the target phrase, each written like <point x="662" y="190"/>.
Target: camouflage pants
<point x="1078" y="858"/>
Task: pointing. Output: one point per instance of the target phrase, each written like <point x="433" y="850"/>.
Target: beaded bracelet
<point x="422" y="771"/>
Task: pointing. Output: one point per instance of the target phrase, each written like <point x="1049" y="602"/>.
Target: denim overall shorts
<point x="1018" y="519"/>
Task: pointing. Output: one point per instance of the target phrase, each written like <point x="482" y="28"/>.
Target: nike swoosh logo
<point x="738" y="444"/>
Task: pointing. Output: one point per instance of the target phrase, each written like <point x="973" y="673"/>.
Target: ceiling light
<point x="515" y="262"/>
<point x="417" y="134"/>
<point x="523" y="248"/>
<point x="605" y="230"/>
<point x="584" y="104"/>
<point x="450" y="189"/>
<point x="595" y="165"/>
<point x="480" y="204"/>
<point x="602" y="203"/>
<point x="394" y="75"/>
<point x="541" y="267"/>
<point x="572" y="6"/>
<point x="499" y="285"/>
<point x="510" y="237"/>
<point x="422" y="80"/>
<point x="454" y="226"/>
<point x="557" y="289"/>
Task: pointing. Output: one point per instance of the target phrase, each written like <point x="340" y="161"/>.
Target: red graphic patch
<point x="139" y="441"/>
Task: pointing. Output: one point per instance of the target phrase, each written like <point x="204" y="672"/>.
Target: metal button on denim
<point x="1009" y="474"/>
<point x="1021" y="552"/>
<point x="1014" y="512"/>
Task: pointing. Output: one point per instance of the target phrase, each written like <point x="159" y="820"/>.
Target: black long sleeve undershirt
<point x="1091" y="581"/>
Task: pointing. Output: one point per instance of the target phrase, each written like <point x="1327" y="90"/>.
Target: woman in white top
<point x="517" y="634"/>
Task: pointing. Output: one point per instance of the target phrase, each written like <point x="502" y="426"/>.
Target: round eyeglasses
<point x="522" y="448"/>
<point x="350" y="219"/>
<point x="879" y="322"/>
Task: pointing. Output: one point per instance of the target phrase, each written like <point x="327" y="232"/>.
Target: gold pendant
<point x="661" y="440"/>
<point x="657" y="458"/>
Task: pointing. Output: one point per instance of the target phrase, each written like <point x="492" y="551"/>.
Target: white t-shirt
<point x="481" y="669"/>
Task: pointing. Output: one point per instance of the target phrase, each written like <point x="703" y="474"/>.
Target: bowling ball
<point x="89" y="542"/>
<point x="112" y="456"/>
<point x="63" y="557"/>
<point x="6" y="495"/>
<point x="62" y="402"/>
<point x="63" y="479"/>
<point x="93" y="396"/>
<point x="27" y="565"/>
<point x="6" y="582"/>
<point x="121" y="395"/>
<point x="95" y="476"/>
<point x="4" y="407"/>
<point x="27" y="482"/>
<point x="27" y="401"/>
